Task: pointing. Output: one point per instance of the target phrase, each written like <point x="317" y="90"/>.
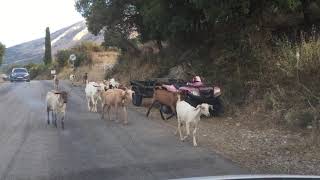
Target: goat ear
<point x="201" y="107"/>
<point x="124" y="93"/>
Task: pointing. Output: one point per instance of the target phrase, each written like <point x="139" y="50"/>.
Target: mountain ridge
<point x="33" y="51"/>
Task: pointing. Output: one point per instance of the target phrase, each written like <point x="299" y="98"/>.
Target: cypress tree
<point x="47" y="59"/>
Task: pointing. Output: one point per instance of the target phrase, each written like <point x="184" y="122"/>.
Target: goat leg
<point x="125" y="115"/>
<point x="179" y="129"/>
<point x="62" y="122"/>
<point x="102" y="111"/>
<point x="108" y="109"/>
<point x="55" y="120"/>
<point x="117" y="113"/>
<point x="194" y="135"/>
<point x="188" y="131"/>
<point x="93" y="104"/>
<point x="170" y="116"/>
<point x="89" y="106"/>
<point x="161" y="114"/>
<point x="173" y="113"/>
<point x="52" y="117"/>
<point x="48" y="116"/>
<point x="148" y="112"/>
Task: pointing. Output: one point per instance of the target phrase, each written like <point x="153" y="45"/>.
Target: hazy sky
<point x="25" y="20"/>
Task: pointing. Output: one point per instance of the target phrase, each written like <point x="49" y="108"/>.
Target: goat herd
<point x="114" y="96"/>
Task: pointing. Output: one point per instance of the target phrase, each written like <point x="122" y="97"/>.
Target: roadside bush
<point x="36" y="69"/>
<point x="298" y="118"/>
<point x="90" y="46"/>
<point x="62" y="57"/>
<point x="82" y="53"/>
<point x="83" y="58"/>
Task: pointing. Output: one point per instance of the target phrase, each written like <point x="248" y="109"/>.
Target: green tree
<point x="62" y="57"/>
<point x="47" y="59"/>
<point x="191" y="20"/>
<point x="2" y="50"/>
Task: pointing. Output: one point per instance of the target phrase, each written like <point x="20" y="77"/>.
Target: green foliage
<point x="62" y="57"/>
<point x="2" y="50"/>
<point x="36" y="69"/>
<point x="47" y="59"/>
<point x="183" y="21"/>
<point x="82" y="58"/>
<point x="82" y="53"/>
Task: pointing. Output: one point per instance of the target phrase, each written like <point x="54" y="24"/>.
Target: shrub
<point x="82" y="53"/>
<point x="36" y="69"/>
<point x="298" y="118"/>
<point x="62" y="57"/>
<point x="90" y="46"/>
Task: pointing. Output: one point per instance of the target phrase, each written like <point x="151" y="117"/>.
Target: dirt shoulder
<point x="253" y="141"/>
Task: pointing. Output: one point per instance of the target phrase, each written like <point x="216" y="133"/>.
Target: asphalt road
<point x="90" y="148"/>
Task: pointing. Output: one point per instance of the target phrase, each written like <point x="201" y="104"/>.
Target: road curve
<point x="90" y="148"/>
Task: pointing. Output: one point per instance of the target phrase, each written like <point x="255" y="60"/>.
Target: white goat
<point x="189" y="114"/>
<point x="113" y="83"/>
<point x="56" y="103"/>
<point x="72" y="78"/>
<point x="93" y="91"/>
<point x="55" y="82"/>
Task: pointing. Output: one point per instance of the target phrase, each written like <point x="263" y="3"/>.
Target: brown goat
<point x="166" y="98"/>
<point x="116" y="98"/>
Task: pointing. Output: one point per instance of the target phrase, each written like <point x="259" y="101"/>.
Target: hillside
<point x="32" y="51"/>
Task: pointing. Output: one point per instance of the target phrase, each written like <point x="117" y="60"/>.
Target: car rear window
<point x="20" y="71"/>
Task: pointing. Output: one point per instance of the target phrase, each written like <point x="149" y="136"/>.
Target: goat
<point x="116" y="98"/>
<point x="56" y="103"/>
<point x="72" y="78"/>
<point x="113" y="83"/>
<point x="92" y="91"/>
<point x="189" y="114"/>
<point x="166" y="98"/>
<point x="85" y="78"/>
<point x="55" y="82"/>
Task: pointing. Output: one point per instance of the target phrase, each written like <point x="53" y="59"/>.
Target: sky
<point x="25" y="20"/>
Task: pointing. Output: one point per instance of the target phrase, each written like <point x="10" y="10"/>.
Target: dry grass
<point x="96" y="71"/>
<point x="134" y="69"/>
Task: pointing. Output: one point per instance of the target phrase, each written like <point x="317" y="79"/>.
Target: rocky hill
<point x="33" y="51"/>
